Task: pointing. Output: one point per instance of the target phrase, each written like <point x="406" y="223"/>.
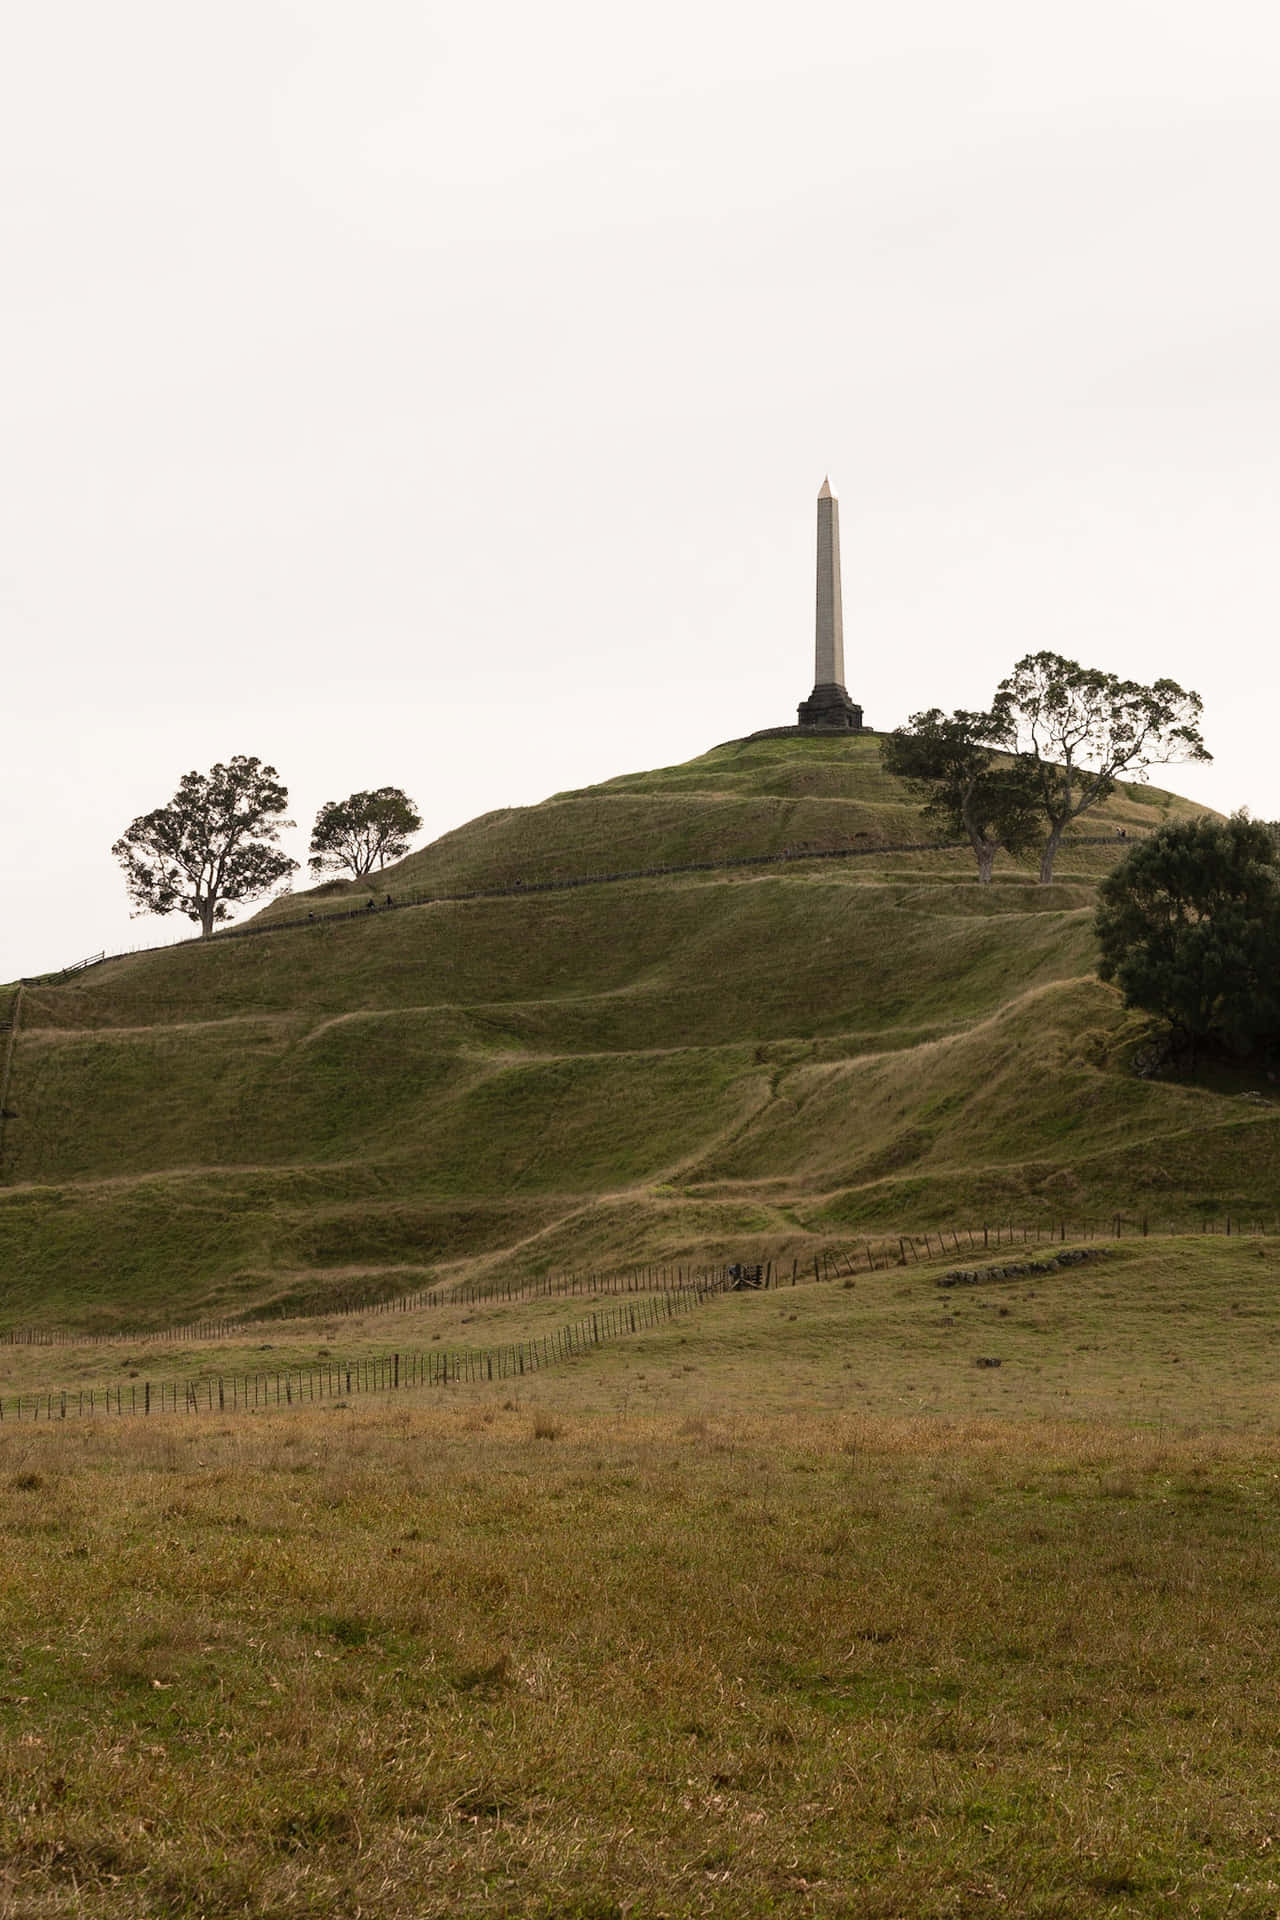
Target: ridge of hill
<point x="685" y="1065"/>
<point x="743" y="799"/>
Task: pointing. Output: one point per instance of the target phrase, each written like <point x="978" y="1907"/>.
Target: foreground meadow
<point x="618" y="1645"/>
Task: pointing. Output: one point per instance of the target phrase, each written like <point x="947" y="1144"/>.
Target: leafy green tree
<point x="955" y="764"/>
<point x="212" y="846"/>
<point x="1081" y="728"/>
<point x="363" y="830"/>
<point x="1189" y="927"/>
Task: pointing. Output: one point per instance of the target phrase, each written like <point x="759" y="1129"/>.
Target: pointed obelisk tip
<point x="824" y="491"/>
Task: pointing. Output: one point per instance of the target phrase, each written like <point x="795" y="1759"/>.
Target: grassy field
<point x="791" y="1609"/>
<point x="863" y="1600"/>
<point x="1163" y="1330"/>
<point x="688" y="1067"/>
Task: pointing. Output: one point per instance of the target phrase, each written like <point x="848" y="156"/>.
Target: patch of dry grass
<point x="616" y="1645"/>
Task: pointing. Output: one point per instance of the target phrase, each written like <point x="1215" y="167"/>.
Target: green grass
<point x="747" y="797"/>
<point x="1169" y="1332"/>
<point x="789" y="1608"/>
<point x="522" y="1658"/>
<point x="786" y="1608"/>
<point x="666" y="1068"/>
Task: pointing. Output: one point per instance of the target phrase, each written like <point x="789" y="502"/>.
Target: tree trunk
<point x="1050" y="850"/>
<point x="986" y="861"/>
<point x="206" y="918"/>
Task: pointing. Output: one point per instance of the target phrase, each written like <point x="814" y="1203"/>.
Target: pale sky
<point x="437" y="395"/>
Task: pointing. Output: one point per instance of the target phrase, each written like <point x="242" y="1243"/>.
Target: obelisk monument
<point x="829" y="705"/>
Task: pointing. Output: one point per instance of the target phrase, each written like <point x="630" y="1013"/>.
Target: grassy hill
<point x="686" y="1064"/>
<point x="747" y="797"/>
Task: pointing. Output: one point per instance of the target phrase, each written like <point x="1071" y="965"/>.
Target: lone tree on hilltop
<point x="954" y="763"/>
<point x="1081" y="728"/>
<point x="1189" y="927"/>
<point x="363" y="830"/>
<point x="211" y="846"/>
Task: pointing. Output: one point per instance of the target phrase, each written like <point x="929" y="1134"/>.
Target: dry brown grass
<point x="406" y="1660"/>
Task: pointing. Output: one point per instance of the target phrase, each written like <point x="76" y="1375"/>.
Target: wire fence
<point x="425" y="897"/>
<point x="337" y="1382"/>
<point x="638" y="1279"/>
<point x="334" y="1379"/>
<point x="870" y="1254"/>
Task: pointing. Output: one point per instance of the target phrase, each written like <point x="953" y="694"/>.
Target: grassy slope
<point x="742" y="798"/>
<point x="658" y="1066"/>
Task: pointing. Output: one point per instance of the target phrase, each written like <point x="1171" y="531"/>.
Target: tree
<point x="954" y="764"/>
<point x="363" y="829"/>
<point x="1189" y="927"/>
<point x="1082" y="728"/>
<point x="211" y="846"/>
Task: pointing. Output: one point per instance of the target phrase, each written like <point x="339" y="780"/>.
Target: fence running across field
<point x="424" y="897"/>
<point x="658" y="1294"/>
<point x="462" y="1293"/>
<point x="336" y="1381"/>
<point x="865" y="1256"/>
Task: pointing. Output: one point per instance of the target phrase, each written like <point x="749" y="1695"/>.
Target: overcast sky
<point x="437" y="395"/>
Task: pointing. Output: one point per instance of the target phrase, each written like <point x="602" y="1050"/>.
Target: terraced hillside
<point x="685" y="1064"/>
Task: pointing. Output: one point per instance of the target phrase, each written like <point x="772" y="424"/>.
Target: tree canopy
<point x="1189" y="927"/>
<point x="1081" y="728"/>
<point x="954" y="763"/>
<point x="364" y="830"/>
<point x="211" y="846"/>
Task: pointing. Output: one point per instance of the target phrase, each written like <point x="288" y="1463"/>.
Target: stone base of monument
<point x="830" y="708"/>
<point x="802" y="733"/>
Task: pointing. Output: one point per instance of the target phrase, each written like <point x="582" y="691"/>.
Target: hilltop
<point x="690" y="1063"/>
<point x="746" y="798"/>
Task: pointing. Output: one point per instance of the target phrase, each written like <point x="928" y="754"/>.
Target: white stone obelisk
<point x="828" y="638"/>
<point x="829" y="705"/>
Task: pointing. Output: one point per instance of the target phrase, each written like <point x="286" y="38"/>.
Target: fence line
<point x="869" y="1254"/>
<point x="650" y="1279"/>
<point x="76" y="966"/>
<point x="422" y="897"/>
<point x="337" y="1381"/>
<point x="904" y="1249"/>
<point x="242" y="1390"/>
